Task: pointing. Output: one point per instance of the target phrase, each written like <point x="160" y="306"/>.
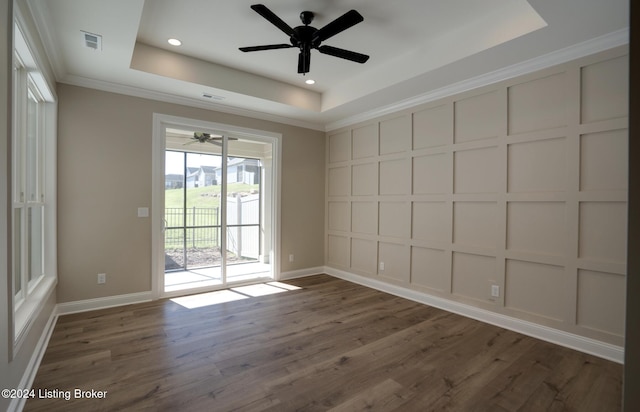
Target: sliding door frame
<point x="160" y="123"/>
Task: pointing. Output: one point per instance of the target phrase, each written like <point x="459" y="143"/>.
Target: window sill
<point x="30" y="309"/>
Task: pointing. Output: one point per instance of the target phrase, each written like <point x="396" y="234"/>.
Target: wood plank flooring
<point x="331" y="345"/>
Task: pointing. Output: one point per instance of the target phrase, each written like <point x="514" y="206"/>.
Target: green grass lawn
<point x="208" y="196"/>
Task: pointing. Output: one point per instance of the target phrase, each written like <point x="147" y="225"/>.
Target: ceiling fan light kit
<point x="306" y="37"/>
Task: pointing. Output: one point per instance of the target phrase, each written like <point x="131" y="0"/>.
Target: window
<point x="28" y="195"/>
<point x="33" y="189"/>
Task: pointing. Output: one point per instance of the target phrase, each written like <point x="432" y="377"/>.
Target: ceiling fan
<point x="200" y="137"/>
<point x="307" y="37"/>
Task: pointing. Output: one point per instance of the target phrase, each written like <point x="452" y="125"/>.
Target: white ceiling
<point x="418" y="48"/>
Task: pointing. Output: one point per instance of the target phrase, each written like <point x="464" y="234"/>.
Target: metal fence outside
<point x="202" y="227"/>
<point x="199" y="227"/>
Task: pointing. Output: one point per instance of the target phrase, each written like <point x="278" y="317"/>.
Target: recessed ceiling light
<point x="310" y="81"/>
<point x="174" y="42"/>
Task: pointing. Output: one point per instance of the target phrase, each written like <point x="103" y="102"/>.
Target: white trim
<point x="36" y="57"/>
<point x="598" y="44"/>
<point x="31" y="370"/>
<point x="157" y="201"/>
<point x="41" y="17"/>
<point x="17" y="404"/>
<point x="30" y="310"/>
<point x="276" y="204"/>
<point x="186" y="101"/>
<point x="591" y="346"/>
<point x="103" y="303"/>
<point x="586" y="48"/>
<point x="160" y="123"/>
<point x="301" y="273"/>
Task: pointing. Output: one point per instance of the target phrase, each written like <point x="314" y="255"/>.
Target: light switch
<point x="143" y="212"/>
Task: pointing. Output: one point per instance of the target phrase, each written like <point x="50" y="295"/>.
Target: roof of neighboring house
<point x="244" y="161"/>
<point x="194" y="171"/>
<point x="208" y="169"/>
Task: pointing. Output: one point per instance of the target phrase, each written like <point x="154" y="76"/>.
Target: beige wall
<point x="104" y="175"/>
<point x="522" y="184"/>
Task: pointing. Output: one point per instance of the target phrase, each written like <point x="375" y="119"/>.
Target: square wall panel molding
<point x="519" y="186"/>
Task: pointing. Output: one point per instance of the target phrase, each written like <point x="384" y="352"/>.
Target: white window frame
<point x="272" y="206"/>
<point x="33" y="293"/>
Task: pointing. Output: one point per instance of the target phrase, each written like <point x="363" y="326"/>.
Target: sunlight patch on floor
<point x="284" y="285"/>
<point x="260" y="289"/>
<point x="206" y="299"/>
<point x="233" y="294"/>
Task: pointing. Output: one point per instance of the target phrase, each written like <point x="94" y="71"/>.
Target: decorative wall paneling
<point x="520" y="184"/>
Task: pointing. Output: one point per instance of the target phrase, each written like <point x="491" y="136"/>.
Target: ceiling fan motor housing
<point x="304" y="37"/>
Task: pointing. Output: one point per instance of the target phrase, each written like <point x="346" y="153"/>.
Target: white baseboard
<point x="302" y="273"/>
<point x="591" y="346"/>
<point x="31" y="370"/>
<point x="570" y="340"/>
<point x="103" y="303"/>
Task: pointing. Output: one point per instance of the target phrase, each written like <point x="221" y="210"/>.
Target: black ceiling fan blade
<point x="304" y="61"/>
<point x="266" y="47"/>
<point x="350" y="18"/>
<point x="262" y="10"/>
<point x="344" y="54"/>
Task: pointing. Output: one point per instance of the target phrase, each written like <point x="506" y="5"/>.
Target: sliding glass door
<point x="192" y="211"/>
<point x="218" y="210"/>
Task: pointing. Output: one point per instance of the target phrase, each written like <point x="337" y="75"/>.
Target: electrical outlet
<point x="495" y="291"/>
<point x="291" y="257"/>
<point x="381" y="266"/>
<point x="102" y="278"/>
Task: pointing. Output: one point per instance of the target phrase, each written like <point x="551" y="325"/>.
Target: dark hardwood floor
<point x="331" y="345"/>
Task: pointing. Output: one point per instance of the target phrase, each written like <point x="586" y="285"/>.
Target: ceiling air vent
<point x="92" y="41"/>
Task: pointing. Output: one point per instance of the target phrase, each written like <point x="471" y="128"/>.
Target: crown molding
<point x="579" y="50"/>
<point x="185" y="101"/>
<point x="583" y="49"/>
<point x="40" y="15"/>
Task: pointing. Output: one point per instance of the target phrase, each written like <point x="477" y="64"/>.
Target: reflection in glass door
<point x="215" y="186"/>
<point x="245" y="223"/>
